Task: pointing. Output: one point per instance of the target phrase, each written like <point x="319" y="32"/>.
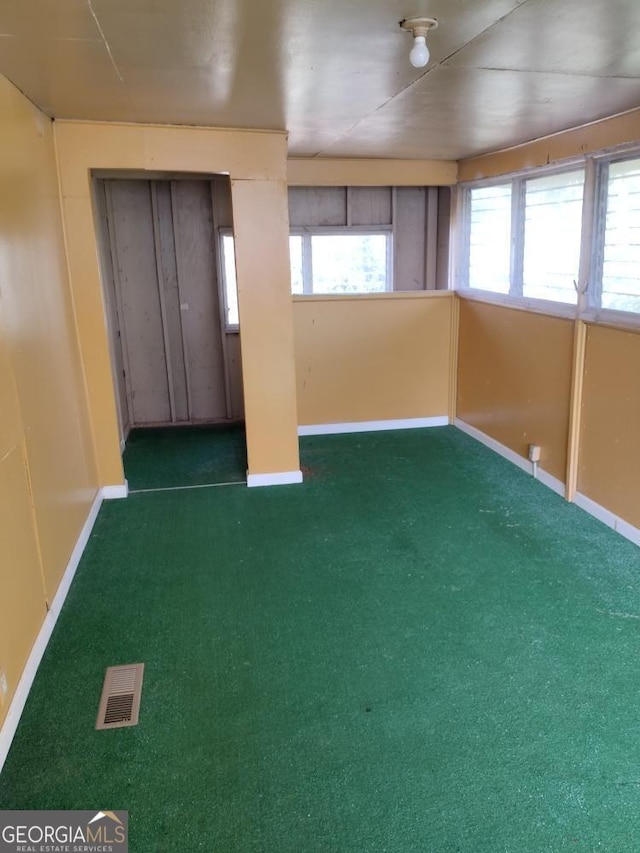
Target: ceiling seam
<point x="577" y="74"/>
<point x="483" y="32"/>
<point x="105" y="42"/>
<point x="113" y="61"/>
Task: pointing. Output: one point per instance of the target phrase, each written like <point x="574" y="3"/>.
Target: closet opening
<point x="173" y="330"/>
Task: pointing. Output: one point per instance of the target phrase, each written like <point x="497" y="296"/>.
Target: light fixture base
<point x="418" y="26"/>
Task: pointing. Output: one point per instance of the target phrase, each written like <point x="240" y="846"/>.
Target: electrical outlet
<point x="4" y="687"/>
<point x="534" y="453"/>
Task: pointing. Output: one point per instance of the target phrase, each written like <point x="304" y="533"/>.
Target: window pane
<point x="349" y="263"/>
<point x="490" y="238"/>
<point x="552" y="229"/>
<point x="295" y="252"/>
<point x="621" y="266"/>
<point x="230" y="287"/>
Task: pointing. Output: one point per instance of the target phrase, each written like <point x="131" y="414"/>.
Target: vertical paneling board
<point x="444" y="225"/>
<point x="111" y="305"/>
<point x="193" y="228"/>
<point x="310" y="206"/>
<point x="370" y="205"/>
<point x="234" y="356"/>
<point x="410" y="230"/>
<point x="169" y="284"/>
<point x="141" y="318"/>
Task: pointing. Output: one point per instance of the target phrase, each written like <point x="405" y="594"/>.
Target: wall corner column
<point x="261" y="233"/>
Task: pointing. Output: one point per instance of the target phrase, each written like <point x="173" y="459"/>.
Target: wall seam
<point x="74" y="310"/>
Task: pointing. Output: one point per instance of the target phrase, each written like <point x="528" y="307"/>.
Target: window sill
<point x="395" y="294"/>
<point x="625" y="320"/>
<point x="534" y="306"/>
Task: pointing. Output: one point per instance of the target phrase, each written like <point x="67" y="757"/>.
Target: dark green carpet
<point x="419" y="649"/>
<point x="166" y="457"/>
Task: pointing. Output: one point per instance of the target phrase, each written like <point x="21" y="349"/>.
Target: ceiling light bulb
<point x="419" y="28"/>
<point x="419" y="55"/>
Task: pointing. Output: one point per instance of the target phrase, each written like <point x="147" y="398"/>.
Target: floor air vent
<point x="120" y="700"/>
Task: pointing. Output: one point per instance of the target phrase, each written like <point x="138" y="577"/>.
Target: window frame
<point x="306" y="233"/>
<point x="518" y="183"/>
<point x="593" y="309"/>
<point x="588" y="306"/>
<point x="229" y="328"/>
<point x="310" y="231"/>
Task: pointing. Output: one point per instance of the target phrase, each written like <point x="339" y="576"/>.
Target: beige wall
<point x="609" y="467"/>
<point x="569" y="144"/>
<point x="514" y="379"/>
<point x="47" y="474"/>
<point x="373" y="358"/>
<point x="256" y="162"/>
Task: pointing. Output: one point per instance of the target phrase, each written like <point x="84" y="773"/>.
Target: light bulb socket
<point x="418" y="26"/>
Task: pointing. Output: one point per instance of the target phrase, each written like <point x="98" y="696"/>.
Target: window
<point x="552" y="229"/>
<point x="490" y="238"/>
<point x="523" y="237"/>
<point x="342" y="261"/>
<point x="335" y="260"/>
<point x="230" y="289"/>
<point x="620" y="252"/>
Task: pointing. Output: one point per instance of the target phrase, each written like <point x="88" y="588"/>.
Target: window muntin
<point x="552" y="234"/>
<point x="621" y="249"/>
<point x="490" y="238"/>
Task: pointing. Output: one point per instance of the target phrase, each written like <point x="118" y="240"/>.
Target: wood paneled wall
<point x="514" y="379"/>
<point x="373" y="358"/>
<point x="609" y="459"/>
<point x="418" y="218"/>
<point x="47" y="471"/>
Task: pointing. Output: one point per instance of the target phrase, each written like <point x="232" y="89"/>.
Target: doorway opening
<point x="173" y="329"/>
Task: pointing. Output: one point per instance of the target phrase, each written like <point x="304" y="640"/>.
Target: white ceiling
<point x="334" y="73"/>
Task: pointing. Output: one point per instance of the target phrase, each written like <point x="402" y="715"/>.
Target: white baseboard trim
<point x="18" y="702"/>
<point x="372" y="426"/>
<point x="279" y="478"/>
<point x="111" y="493"/>
<point x="543" y="476"/>
<point x="609" y="518"/>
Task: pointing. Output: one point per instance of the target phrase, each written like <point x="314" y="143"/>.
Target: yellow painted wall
<point x="256" y="162"/>
<point x="260" y="219"/>
<point x="373" y="358"/>
<point x="568" y="144"/>
<point x="44" y="433"/>
<point x="514" y="379"/>
<point x="22" y="598"/>
<point x="609" y="467"/>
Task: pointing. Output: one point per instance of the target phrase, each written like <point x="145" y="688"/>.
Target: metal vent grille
<point x="120" y="700"/>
